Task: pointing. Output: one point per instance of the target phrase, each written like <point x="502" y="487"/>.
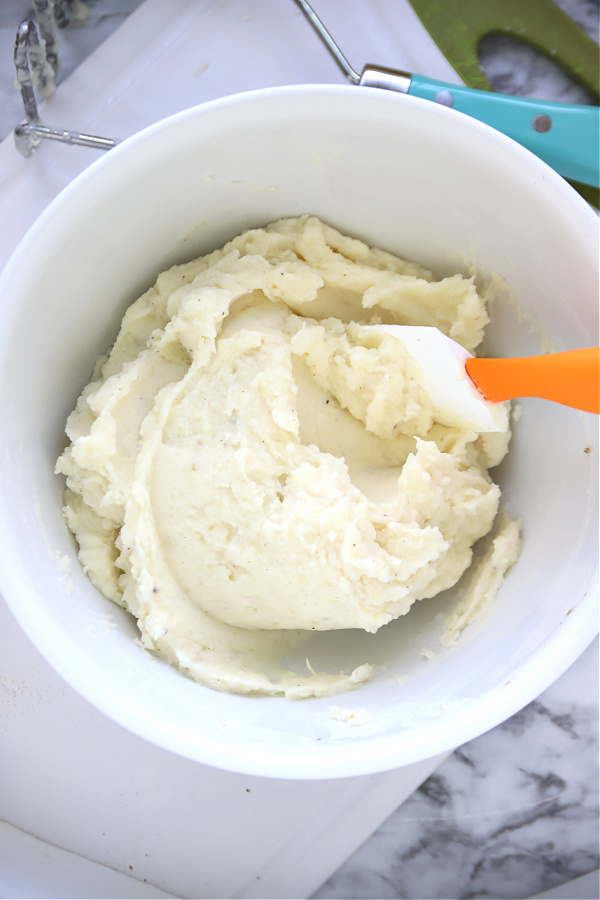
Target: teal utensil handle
<point x="564" y="135"/>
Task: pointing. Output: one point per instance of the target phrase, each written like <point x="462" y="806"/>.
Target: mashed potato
<point x="252" y="462"/>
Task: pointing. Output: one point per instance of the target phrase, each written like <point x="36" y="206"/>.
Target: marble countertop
<point x="509" y="814"/>
<point x="514" y="812"/>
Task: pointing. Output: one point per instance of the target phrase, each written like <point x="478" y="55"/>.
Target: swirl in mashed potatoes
<point x="252" y="462"/>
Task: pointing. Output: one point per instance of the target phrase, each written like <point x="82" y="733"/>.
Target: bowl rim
<point x="323" y="760"/>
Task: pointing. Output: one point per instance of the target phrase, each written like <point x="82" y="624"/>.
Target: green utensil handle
<point x="564" y="135"/>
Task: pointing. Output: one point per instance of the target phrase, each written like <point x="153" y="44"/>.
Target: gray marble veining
<point x="513" y="67"/>
<point x="510" y="814"/>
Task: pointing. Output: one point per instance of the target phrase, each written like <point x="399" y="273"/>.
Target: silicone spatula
<point x="472" y="387"/>
<point x="571" y="377"/>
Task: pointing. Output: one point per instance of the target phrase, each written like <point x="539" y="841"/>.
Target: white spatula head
<point x="453" y="394"/>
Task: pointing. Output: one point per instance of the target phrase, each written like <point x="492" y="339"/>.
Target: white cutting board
<point x="68" y="774"/>
<point x="170" y="56"/>
<point x="82" y="783"/>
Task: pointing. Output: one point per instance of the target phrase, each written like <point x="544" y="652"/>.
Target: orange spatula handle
<point x="571" y="378"/>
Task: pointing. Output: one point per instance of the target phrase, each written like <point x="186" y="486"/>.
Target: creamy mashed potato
<point x="252" y="462"/>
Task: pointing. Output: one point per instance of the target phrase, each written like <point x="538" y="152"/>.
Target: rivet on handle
<point x="542" y="123"/>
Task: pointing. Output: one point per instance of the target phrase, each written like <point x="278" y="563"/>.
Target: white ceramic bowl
<point x="404" y="174"/>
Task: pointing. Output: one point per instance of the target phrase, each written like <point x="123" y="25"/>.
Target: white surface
<point x="585" y="888"/>
<point x="37" y="787"/>
<point x="73" y="778"/>
<point x="30" y="867"/>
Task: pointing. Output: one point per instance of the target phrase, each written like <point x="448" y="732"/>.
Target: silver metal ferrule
<point x="372" y="76"/>
<point x="388" y="79"/>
